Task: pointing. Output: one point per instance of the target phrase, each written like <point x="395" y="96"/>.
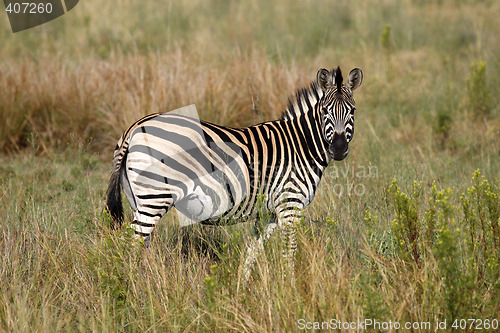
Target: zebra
<point x="211" y="172"/>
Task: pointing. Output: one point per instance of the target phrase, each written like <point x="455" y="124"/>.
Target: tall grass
<point x="64" y="269"/>
<point x="101" y="66"/>
<point x="96" y="100"/>
<point x="393" y="243"/>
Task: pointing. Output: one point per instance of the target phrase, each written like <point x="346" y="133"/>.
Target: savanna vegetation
<point x="406" y="229"/>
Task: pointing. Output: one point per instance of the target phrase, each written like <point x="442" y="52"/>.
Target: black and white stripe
<point x="209" y="172"/>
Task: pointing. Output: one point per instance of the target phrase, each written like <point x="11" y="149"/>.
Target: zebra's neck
<point x="304" y="101"/>
<point x="308" y="126"/>
<point x="303" y="112"/>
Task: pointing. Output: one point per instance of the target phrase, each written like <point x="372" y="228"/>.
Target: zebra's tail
<point x="114" y="201"/>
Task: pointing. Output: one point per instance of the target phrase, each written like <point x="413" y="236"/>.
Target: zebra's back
<point x="175" y="160"/>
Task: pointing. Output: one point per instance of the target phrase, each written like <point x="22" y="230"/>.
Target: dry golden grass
<point x="95" y="100"/>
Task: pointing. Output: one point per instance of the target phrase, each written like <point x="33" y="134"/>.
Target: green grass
<point x="420" y="249"/>
<point x="64" y="268"/>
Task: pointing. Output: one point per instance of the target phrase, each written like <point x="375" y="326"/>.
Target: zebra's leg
<point x="255" y="248"/>
<point x="144" y="226"/>
<point x="288" y="222"/>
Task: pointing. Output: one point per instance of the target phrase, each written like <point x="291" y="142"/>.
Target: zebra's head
<point x="337" y="109"/>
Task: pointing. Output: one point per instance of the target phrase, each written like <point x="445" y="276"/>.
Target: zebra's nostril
<point x="339" y="143"/>
<point x="339" y="147"/>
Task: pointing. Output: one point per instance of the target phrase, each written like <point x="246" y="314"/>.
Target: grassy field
<point x="406" y="229"/>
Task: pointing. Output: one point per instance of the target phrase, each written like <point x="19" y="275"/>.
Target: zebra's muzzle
<point x="339" y="148"/>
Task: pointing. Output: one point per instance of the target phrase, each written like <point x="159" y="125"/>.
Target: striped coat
<point x="214" y="174"/>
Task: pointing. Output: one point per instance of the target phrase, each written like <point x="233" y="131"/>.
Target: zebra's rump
<point x="171" y="160"/>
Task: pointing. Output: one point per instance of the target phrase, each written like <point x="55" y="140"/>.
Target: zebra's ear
<point x="354" y="79"/>
<point x="325" y="79"/>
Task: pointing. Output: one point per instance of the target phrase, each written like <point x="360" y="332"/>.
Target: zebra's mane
<point x="302" y="101"/>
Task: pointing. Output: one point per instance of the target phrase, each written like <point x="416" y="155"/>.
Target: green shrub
<point x="406" y="228"/>
<point x="479" y="96"/>
<point x="463" y="243"/>
<point x="481" y="221"/>
<point x="442" y="126"/>
<point x="386" y="39"/>
<point x="457" y="289"/>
